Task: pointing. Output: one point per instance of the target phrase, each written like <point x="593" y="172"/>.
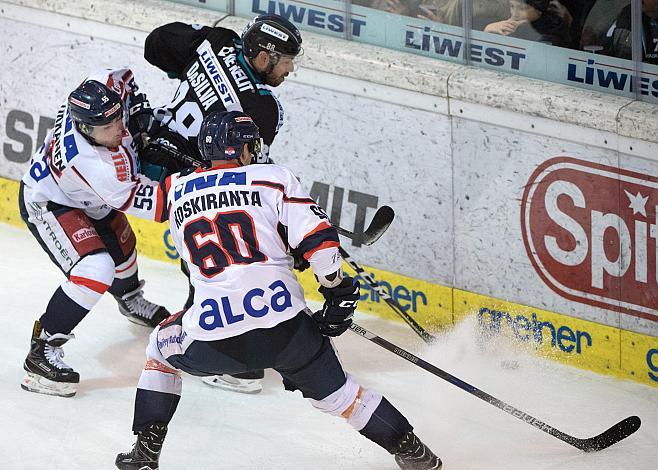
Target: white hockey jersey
<point x="232" y="225"/>
<point x="70" y="171"/>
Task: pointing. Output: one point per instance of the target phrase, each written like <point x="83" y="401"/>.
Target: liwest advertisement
<point x="529" y="58"/>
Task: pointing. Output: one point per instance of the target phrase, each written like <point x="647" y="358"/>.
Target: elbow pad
<point x="331" y="280"/>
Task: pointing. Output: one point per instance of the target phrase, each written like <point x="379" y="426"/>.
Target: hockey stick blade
<point x="611" y="436"/>
<point x="378" y="225"/>
<point x="616" y="433"/>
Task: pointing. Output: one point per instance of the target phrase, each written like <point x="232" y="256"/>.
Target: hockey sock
<point x="125" y="276"/>
<point x="153" y="407"/>
<point x="386" y="426"/>
<point x="62" y="314"/>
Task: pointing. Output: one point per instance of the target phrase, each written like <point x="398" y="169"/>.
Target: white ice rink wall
<point x="529" y="204"/>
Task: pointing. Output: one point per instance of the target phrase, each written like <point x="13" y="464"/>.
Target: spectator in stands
<point x="533" y="20"/>
<point x="619" y="37"/>
<point x="596" y="23"/>
<point x="442" y="11"/>
<point x="574" y="13"/>
<point x="399" y="7"/>
<point x="487" y="11"/>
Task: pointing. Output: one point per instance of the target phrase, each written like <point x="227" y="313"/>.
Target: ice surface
<point x="214" y="429"/>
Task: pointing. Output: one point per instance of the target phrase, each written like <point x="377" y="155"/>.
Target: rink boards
<point x="580" y="343"/>
<point x="492" y="200"/>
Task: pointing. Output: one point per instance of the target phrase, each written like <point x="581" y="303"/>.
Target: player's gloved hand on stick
<point x="140" y="121"/>
<point x="339" y="306"/>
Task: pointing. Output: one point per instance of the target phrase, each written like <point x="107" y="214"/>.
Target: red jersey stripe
<point x="89" y="284"/>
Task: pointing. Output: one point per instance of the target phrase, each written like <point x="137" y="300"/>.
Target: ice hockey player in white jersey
<point x="72" y="198"/>
<point x="220" y="71"/>
<point x="249" y="310"/>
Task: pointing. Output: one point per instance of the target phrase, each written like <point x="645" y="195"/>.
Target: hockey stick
<point x="397" y="308"/>
<point x="611" y="436"/>
<point x="174" y="153"/>
<point x="380" y="222"/>
<point x="378" y="225"/>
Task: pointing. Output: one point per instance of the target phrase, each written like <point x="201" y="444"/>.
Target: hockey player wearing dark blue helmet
<point x="263" y="320"/>
<point x="97" y="112"/>
<point x="224" y="135"/>
<point x="252" y="62"/>
<point x="73" y="198"/>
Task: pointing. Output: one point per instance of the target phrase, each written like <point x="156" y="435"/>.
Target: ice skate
<point x="412" y="454"/>
<point x="45" y="371"/>
<point x="234" y="384"/>
<point x="146" y="451"/>
<point x="139" y="310"/>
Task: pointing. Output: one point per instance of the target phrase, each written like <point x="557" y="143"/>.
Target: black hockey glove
<point x="339" y="306"/>
<point x="140" y="120"/>
<point x="299" y="262"/>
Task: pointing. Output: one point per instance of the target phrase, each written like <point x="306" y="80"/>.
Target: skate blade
<point x="248" y="386"/>
<point x="38" y="384"/>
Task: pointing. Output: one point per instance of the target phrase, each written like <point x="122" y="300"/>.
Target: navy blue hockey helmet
<point x="271" y="33"/>
<point x="94" y="104"/>
<point x="224" y="133"/>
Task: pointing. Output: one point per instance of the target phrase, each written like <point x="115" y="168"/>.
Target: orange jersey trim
<point x="322" y="246"/>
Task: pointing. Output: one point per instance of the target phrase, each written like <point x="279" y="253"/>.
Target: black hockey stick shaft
<point x="175" y="153"/>
<point x="397" y="308"/>
<point x="607" y="438"/>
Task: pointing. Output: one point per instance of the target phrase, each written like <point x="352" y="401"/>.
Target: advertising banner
<point x="441" y="41"/>
<point x="580" y="343"/>
<point x="559" y="225"/>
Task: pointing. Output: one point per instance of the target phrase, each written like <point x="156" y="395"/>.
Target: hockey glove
<point x="339" y="306"/>
<point x="140" y="121"/>
<point x="300" y="263"/>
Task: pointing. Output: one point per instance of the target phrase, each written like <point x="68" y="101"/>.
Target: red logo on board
<point x="590" y="231"/>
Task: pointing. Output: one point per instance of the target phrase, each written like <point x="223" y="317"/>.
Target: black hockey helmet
<point x="94" y="104"/>
<point x="223" y="134"/>
<point x="271" y="33"/>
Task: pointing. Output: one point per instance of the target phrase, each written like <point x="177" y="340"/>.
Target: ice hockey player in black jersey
<point x="219" y="70"/>
<point x="249" y="308"/>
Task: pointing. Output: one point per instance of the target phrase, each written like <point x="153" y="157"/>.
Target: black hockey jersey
<point x="214" y="76"/>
